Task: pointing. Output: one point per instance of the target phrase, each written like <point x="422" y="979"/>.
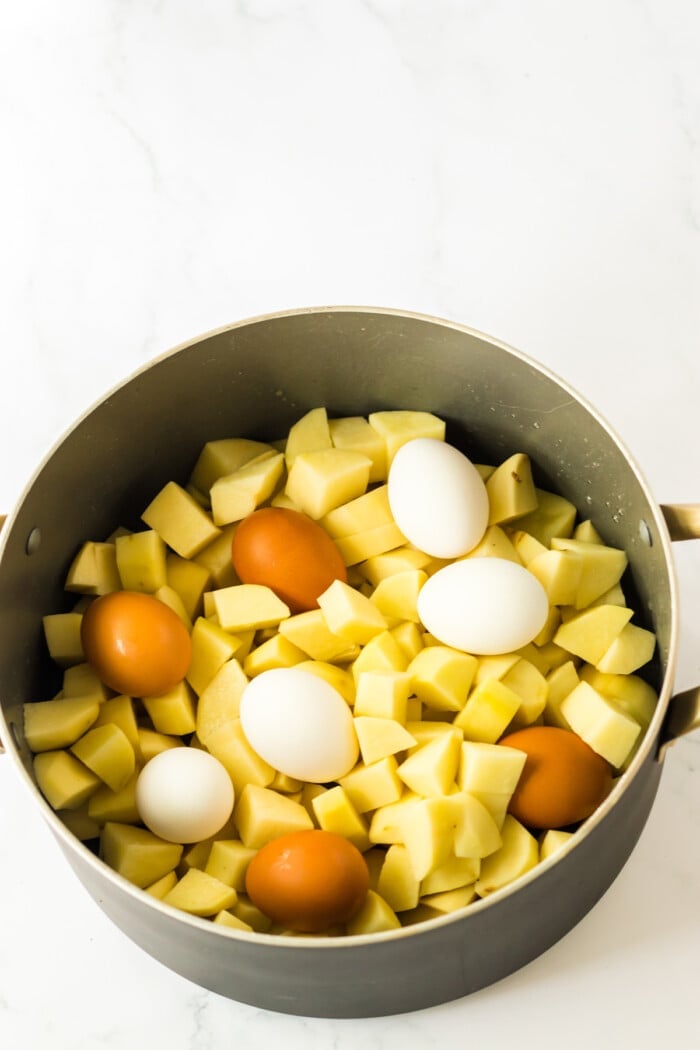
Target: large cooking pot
<point x="255" y="378"/>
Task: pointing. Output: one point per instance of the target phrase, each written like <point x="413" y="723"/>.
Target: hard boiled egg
<point x="184" y="795"/>
<point x="437" y="498"/>
<point x="299" y="724"/>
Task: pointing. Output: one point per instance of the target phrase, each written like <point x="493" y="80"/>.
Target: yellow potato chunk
<point x="162" y="886"/>
<point x="224" y="456"/>
<point x="220" y="702"/>
<point x="236" y="495"/>
<point x="398" y="426"/>
<point x="200" y="894"/>
<point x="489" y="768"/>
<point x="151" y="743"/>
<point x="629" y="691"/>
<point x="248" y="605"/>
<point x="432" y="768"/>
<point x="174" y="712"/>
<point x="227" y="918"/>
<point x="119" y="806"/>
<point x="495" y="543"/>
<point x="228" y="743"/>
<point x="120" y="711"/>
<point x="94" y="570"/>
<point x="476" y="832"/>
<point x="189" y="579"/>
<point x="383" y="694"/>
<point x="450" y="900"/>
<point x="488" y="711"/>
<point x="397" y="883"/>
<point x="602" y="723"/>
<point x="349" y="614"/>
<point x="79" y="823"/>
<point x="369" y="786"/>
<point x="108" y="753"/>
<point x="554" y="517"/>
<point x="428" y="835"/>
<point x="53" y="724"/>
<point x="560" y="682"/>
<point x="137" y="854"/>
<point x="441" y="677"/>
<point x="591" y="633"/>
<point x="409" y="638"/>
<point x="355" y="434"/>
<point x="518" y="853"/>
<point x="602" y="567"/>
<point x="368" y="511"/>
<point x="382" y="653"/>
<point x="380" y="737"/>
<point x="310" y="433"/>
<point x="511" y="490"/>
<point x="361" y="546"/>
<point x="454" y="873"/>
<point x="552" y="841"/>
<point x="320" y="481"/>
<point x="82" y="680"/>
<point x="387" y="822"/>
<point x="212" y="647"/>
<point x="277" y="651"/>
<point x="633" y="647"/>
<point x="216" y="560"/>
<point x="375" y="916"/>
<point x="400" y="559"/>
<point x="527" y="547"/>
<point x="559" y="572"/>
<point x="341" y="680"/>
<point x="334" y="811"/>
<point x="262" y="815"/>
<point x="310" y="632"/>
<point x="396" y="596"/>
<point x="141" y="561"/>
<point x="62" y="634"/>
<point x="531" y="686"/>
<point x="180" y="521"/>
<point x="63" y="780"/>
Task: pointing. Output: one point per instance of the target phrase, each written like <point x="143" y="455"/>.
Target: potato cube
<point x="189" y="579"/>
<point x="224" y="456"/>
<point x="476" y="832"/>
<point x="400" y="559"/>
<point x="602" y="567"/>
<point x="560" y="682"/>
<point x="248" y="605"/>
<point x="79" y="823"/>
<point x="228" y="743"/>
<point x="355" y="434"/>
<point x="120" y="711"/>
<point x="428" y="835"/>
<point x="151" y="743"/>
<point x="64" y="781"/>
<point x="62" y="633"/>
<point x="409" y="638"/>
<point x="310" y="433"/>
<point x="431" y="769"/>
<point x="220" y="702"/>
<point x="369" y="786"/>
<point x="369" y="511"/>
<point x="180" y="521"/>
<point x="262" y="815"/>
<point x="587" y="532"/>
<point x="488" y="711"/>
<point x="361" y="546"/>
<point x="559" y="572"/>
<point x="591" y="633"/>
<point x="277" y="651"/>
<point x="335" y="812"/>
<point x="552" y="841"/>
<point x="453" y="873"/>
<point x="216" y="560"/>
<point x="382" y="653"/>
<point x="489" y="768"/>
<point x="518" y="853"/>
<point x="601" y="722"/>
<point x="511" y="490"/>
<point x="629" y="691"/>
<point x="162" y="886"/>
<point x="375" y="916"/>
<point x="106" y="805"/>
<point x="526" y="546"/>
<point x="82" y="680"/>
<point x="349" y="614"/>
<point x="380" y="737"/>
<point x="441" y="677"/>
<point x="554" y="516"/>
<point x="531" y="686"/>
<point x="397" y="883"/>
<point x="227" y="918"/>
<point x="108" y="753"/>
<point x="398" y="426"/>
<point x="236" y="495"/>
<point x="494" y="667"/>
<point x="246" y="911"/>
<point x="322" y="480"/>
<point x="141" y="561"/>
<point x="383" y="694"/>
<point x="173" y="712"/>
<point x="633" y="647"/>
<point x="425" y="729"/>
<point x="397" y="596"/>
<point x="53" y="724"/>
<point x="212" y="647"/>
<point x="449" y="900"/>
<point x="495" y="543"/>
<point x="387" y="822"/>
<point x="200" y="894"/>
<point x="310" y="633"/>
<point x="137" y="854"/>
<point x="168" y="596"/>
<point x="94" y="570"/>
<point x="341" y="680"/>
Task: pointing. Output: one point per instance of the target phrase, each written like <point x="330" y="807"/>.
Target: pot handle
<point x="683" y="522"/>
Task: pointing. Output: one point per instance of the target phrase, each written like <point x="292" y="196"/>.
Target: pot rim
<point x="623" y="783"/>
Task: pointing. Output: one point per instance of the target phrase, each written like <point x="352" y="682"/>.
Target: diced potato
<point x="180" y="521"/>
<point x="428" y="834"/>
<point x="409" y="638"/>
<point x="120" y="711"/>
<point x="396" y="596"/>
<point x="106" y="805"/>
<point x="552" y="841"/>
<point x="222" y="457"/>
<point x="236" y="495"/>
<point x="516" y="856"/>
<point x="511" y="490"/>
<point x="82" y="680"/>
<point x="62" y="634"/>
<point x="277" y="651"/>
<point x="64" y="781"/>
<point x="559" y="572"/>
<point x="322" y="480"/>
<point x="219" y="703"/>
<point x="369" y="786"/>
<point x="174" y="712"/>
<point x="629" y="691"/>
<point x="349" y="614"/>
<point x="382" y="653"/>
<point x="228" y="743"/>
<point x="488" y="712"/>
<point x="310" y="633"/>
<point x="587" y="532"/>
<point x="361" y="546"/>
<point x="141" y="561"/>
<point x="441" y="677"/>
<point x="53" y="724"/>
<point x="633" y="647"/>
<point x="261" y="815"/>
<point x="601" y="722"/>
<point x="137" y="854"/>
<point x="212" y="647"/>
<point x="189" y="579"/>
<point x="454" y="873"/>
<point x="495" y="543"/>
<point x="591" y="633"/>
<point x="398" y="426"/>
<point x="355" y="434"/>
<point x="216" y="560"/>
<point x="400" y="559"/>
<point x="424" y="730"/>
<point x="547" y="631"/>
<point x="602" y="567"/>
<point x="380" y="737"/>
<point x="387" y="822"/>
<point x="227" y="918"/>
<point x="79" y="823"/>
<point x="248" y="605"/>
<point x="335" y="812"/>
<point x="94" y="570"/>
<point x="195" y="856"/>
<point x="383" y="694"/>
<point x="432" y="768"/>
<point x="169" y="596"/>
<point x="450" y="900"/>
<point x="560" y="682"/>
<point x="527" y="547"/>
<point x="555" y="516"/>
<point x="371" y="510"/>
<point x="531" y="686"/>
<point x="108" y="753"/>
<point x="494" y="667"/>
<point x="341" y="680"/>
<point x="151" y="743"/>
<point x="310" y="433"/>
<point x="397" y="883"/>
<point x="246" y="911"/>
<point x="200" y="894"/>
<point x="489" y="768"/>
<point x="476" y="833"/>
<point x="375" y="916"/>
<point x="161" y="887"/>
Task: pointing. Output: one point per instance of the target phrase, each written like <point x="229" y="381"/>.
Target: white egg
<point x="300" y="724"/>
<point x="483" y="606"/>
<point x="184" y="795"/>
<point x="437" y="498"/>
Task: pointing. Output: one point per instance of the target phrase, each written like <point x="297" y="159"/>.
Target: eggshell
<point x="184" y="795"/>
<point x="483" y="606"/>
<point x="437" y="498"/>
<point x="299" y="724"/>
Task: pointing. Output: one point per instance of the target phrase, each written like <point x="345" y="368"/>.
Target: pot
<point x="255" y="378"/>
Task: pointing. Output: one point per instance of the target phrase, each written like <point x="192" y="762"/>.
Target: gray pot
<point x="255" y="379"/>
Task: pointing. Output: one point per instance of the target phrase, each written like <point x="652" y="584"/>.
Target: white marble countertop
<point x="529" y="169"/>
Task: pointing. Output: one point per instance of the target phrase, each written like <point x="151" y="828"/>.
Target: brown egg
<point x="563" y="780"/>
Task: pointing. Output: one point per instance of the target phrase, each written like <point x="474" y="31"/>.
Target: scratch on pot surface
<point x="535" y="411"/>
